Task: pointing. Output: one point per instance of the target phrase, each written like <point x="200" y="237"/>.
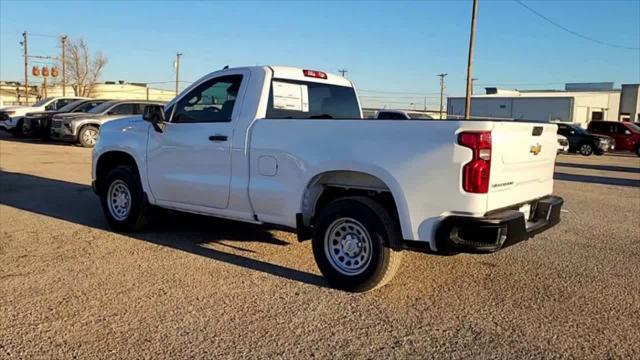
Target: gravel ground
<point x="199" y="287"/>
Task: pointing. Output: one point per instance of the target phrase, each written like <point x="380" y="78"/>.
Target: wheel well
<point x="339" y="184"/>
<point x="110" y="160"/>
<point x="88" y="124"/>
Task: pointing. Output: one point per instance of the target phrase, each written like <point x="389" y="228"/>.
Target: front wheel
<point x="122" y="199"/>
<point x="88" y="136"/>
<point x="353" y="244"/>
<point x="638" y="149"/>
<point x="586" y="149"/>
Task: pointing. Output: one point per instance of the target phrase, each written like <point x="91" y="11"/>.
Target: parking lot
<point x="193" y="286"/>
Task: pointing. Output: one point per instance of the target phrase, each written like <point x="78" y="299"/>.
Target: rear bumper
<point x="497" y="230"/>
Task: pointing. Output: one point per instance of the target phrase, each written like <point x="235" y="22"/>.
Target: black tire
<point x="585" y="149"/>
<point x="638" y="149"/>
<point x="384" y="235"/>
<point x="139" y="214"/>
<point x="84" y="137"/>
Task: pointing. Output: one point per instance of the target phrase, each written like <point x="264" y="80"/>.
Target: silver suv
<point x="84" y="128"/>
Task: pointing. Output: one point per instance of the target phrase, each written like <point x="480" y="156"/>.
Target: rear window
<point x="290" y="99"/>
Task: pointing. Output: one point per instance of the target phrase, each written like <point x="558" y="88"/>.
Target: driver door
<point x="189" y="163"/>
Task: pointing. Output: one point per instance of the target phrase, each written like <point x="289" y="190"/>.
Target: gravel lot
<point x="199" y="287"/>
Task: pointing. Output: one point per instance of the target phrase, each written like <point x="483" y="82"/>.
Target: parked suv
<point x="12" y="117"/>
<point x="626" y="134"/>
<point x="84" y="128"/>
<point x="584" y="142"/>
<point x="39" y="123"/>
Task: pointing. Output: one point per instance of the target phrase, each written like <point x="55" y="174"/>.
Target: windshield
<point x="70" y="106"/>
<point x="634" y="127"/>
<point x="42" y="102"/>
<point x="101" y="108"/>
<point x="580" y="130"/>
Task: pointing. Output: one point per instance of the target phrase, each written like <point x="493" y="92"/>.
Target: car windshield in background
<point x="101" y="108"/>
<point x="634" y="127"/>
<point x="88" y="105"/>
<point x="290" y="99"/>
<point x="70" y="106"/>
<point x="580" y="130"/>
<point x="42" y="102"/>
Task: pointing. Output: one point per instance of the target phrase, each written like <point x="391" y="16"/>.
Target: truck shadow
<point x="590" y="179"/>
<point x="635" y="170"/>
<point x="76" y="203"/>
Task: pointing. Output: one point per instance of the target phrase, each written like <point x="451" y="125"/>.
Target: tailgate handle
<point x="537" y="131"/>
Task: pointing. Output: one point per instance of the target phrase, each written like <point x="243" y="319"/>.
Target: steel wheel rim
<point x="119" y="200"/>
<point x="90" y="136"/>
<point x="585" y="149"/>
<point x="348" y="246"/>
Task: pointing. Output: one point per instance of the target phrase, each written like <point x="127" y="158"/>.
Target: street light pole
<point x="26" y="65"/>
<point x="64" y="65"/>
<point x="472" y="37"/>
<point x="178" y="55"/>
<point x="442" y="93"/>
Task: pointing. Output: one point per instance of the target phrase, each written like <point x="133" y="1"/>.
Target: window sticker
<point x="288" y="96"/>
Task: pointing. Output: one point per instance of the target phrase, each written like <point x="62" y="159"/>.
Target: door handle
<point x="218" y="138"/>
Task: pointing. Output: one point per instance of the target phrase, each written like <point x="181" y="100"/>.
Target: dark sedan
<point x="584" y="142"/>
<point x="39" y="123"/>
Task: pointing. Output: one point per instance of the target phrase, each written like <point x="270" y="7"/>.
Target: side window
<point x="123" y="109"/>
<point x="140" y="108"/>
<point x="212" y="101"/>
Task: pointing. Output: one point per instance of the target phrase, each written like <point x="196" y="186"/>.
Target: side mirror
<point x="627" y="132"/>
<point x="155" y="115"/>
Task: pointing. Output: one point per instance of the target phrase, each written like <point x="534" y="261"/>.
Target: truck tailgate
<point x="522" y="162"/>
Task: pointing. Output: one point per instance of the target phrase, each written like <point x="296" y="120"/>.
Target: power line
<point x="398" y="92"/>
<point x="585" y="37"/>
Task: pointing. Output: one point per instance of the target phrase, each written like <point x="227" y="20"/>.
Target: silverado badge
<point x="535" y="149"/>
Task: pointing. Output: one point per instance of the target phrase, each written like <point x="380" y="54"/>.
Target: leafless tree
<point x="82" y="70"/>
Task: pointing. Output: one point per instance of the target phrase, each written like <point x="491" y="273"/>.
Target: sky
<point x="391" y="49"/>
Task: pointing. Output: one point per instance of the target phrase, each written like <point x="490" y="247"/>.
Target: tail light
<point x="314" y="74"/>
<point x="475" y="174"/>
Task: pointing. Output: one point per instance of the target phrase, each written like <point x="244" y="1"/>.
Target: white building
<point x="578" y="103"/>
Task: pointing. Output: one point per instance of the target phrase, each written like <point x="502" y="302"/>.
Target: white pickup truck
<point x="287" y="146"/>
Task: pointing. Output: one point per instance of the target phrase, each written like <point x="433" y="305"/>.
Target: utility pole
<point x="26" y="65"/>
<point x="63" y="39"/>
<point x="178" y="55"/>
<point x="472" y="37"/>
<point x="442" y="92"/>
<point x="342" y="72"/>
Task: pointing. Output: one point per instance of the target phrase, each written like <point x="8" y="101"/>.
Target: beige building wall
<point x="9" y="93"/>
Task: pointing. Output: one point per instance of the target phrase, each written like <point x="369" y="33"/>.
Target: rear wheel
<point x="123" y="201"/>
<point x="586" y="149"/>
<point x="88" y="136"/>
<point x="352" y="244"/>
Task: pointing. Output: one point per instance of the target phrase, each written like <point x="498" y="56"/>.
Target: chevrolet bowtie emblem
<point x="535" y="149"/>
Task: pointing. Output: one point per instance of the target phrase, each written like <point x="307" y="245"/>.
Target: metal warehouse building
<point x="578" y="103"/>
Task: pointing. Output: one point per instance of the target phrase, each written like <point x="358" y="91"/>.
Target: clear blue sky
<point x="386" y="46"/>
